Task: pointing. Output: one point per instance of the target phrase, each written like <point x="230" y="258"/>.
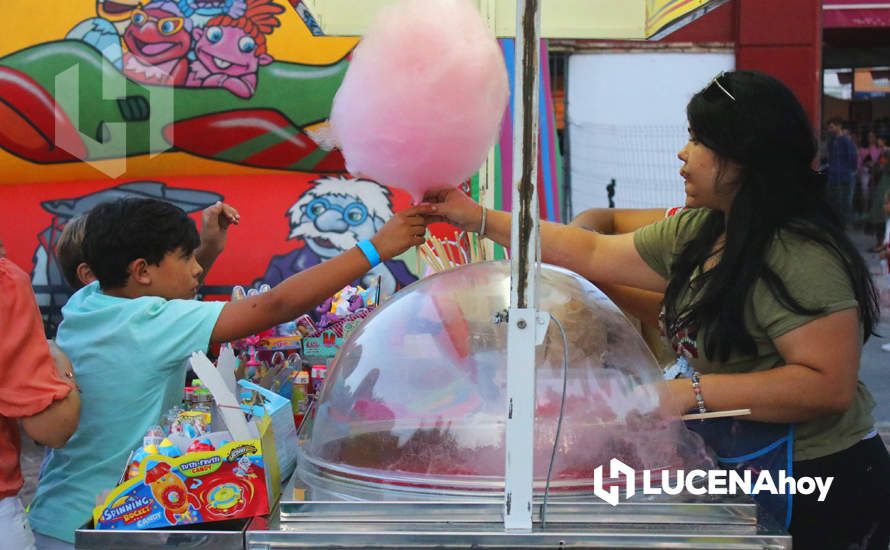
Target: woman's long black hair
<point x="763" y="129"/>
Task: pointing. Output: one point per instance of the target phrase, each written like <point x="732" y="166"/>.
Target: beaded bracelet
<point x="696" y="388"/>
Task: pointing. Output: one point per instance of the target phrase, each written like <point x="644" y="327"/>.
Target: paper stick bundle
<point x="443" y="255"/>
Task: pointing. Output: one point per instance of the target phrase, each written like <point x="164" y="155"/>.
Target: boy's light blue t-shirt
<point x="129" y="358"/>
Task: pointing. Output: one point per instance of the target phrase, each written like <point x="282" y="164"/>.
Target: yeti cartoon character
<point x="331" y="217"/>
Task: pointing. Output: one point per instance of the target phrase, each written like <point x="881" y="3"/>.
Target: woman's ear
<point x="139" y="272"/>
<point x="729" y="176"/>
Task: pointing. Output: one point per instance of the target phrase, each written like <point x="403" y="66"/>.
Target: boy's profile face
<point x="176" y="276"/>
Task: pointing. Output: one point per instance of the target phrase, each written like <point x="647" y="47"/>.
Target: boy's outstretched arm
<point x="215" y="222"/>
<point x="300" y="292"/>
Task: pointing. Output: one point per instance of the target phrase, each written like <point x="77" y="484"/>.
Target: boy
<point x="215" y="220"/>
<point x="130" y="333"/>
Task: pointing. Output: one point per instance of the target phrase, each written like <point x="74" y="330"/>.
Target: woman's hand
<point x="63" y="364"/>
<point x="455" y="207"/>
<point x="404" y="230"/>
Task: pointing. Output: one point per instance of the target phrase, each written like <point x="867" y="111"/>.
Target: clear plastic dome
<point x="416" y="397"/>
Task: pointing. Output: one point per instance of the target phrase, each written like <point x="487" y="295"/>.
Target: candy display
<point x="279" y="358"/>
<point x="187" y="474"/>
<point x="208" y="483"/>
<point x="429" y="412"/>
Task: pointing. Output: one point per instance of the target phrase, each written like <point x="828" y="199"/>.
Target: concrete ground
<point x="874" y="371"/>
<point x="874" y="368"/>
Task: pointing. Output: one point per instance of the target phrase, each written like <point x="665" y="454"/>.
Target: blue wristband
<point x="369" y="251"/>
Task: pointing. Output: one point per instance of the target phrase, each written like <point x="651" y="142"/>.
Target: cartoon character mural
<point x="230" y="50"/>
<point x="220" y="98"/>
<point x="200" y="11"/>
<point x="104" y="32"/>
<point x="330" y="218"/>
<point x="164" y="42"/>
<point x="64" y="103"/>
<point x="158" y="42"/>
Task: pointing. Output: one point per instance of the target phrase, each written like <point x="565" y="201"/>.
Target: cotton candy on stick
<point x="421" y="103"/>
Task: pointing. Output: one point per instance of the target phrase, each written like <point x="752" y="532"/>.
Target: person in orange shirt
<point x="36" y="388"/>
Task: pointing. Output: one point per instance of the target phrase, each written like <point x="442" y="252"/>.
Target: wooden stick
<point x="449" y="253"/>
<point x="471" y="249"/>
<point x="440" y="251"/>
<point x="431" y="258"/>
<point x="426" y="258"/>
<point x="716" y="414"/>
<point x="460" y="255"/>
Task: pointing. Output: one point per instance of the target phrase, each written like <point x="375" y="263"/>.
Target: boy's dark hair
<point x="118" y="232"/>
<point x="69" y="249"/>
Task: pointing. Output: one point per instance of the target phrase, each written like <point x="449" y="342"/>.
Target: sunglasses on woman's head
<point x="716" y="82"/>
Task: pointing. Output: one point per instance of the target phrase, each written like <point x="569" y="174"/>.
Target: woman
<point x="765" y="297"/>
<point x="37" y="396"/>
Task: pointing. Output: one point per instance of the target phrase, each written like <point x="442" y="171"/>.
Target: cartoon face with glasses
<point x="339" y="220"/>
<point x="331" y="218"/>
<point x="158" y="40"/>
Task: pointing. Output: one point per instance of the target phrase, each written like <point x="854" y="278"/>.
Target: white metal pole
<point x="523" y="326"/>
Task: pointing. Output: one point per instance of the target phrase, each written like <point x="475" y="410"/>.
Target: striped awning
<point x="841" y="14"/>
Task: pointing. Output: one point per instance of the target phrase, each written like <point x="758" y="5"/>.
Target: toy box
<point x="239" y="477"/>
<point x="227" y="483"/>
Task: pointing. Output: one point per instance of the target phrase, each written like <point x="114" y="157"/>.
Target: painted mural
<point x="168" y="76"/>
<point x="194" y="101"/>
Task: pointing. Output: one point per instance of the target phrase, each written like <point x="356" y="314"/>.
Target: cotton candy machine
<point x="416" y="399"/>
<point x="406" y="445"/>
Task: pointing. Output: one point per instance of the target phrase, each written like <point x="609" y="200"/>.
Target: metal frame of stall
<point x="312" y="521"/>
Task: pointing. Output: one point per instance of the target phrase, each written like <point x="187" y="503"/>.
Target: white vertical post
<point x="524" y="251"/>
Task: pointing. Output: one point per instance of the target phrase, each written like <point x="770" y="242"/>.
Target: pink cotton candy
<point x="422" y="101"/>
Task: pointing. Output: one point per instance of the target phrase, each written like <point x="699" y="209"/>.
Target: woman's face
<point x="709" y="183"/>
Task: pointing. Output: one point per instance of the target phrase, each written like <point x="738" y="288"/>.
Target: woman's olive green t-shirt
<point x="815" y="277"/>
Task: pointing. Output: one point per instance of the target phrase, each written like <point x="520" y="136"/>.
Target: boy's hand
<point x="404" y="230"/>
<point x="215" y="222"/>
